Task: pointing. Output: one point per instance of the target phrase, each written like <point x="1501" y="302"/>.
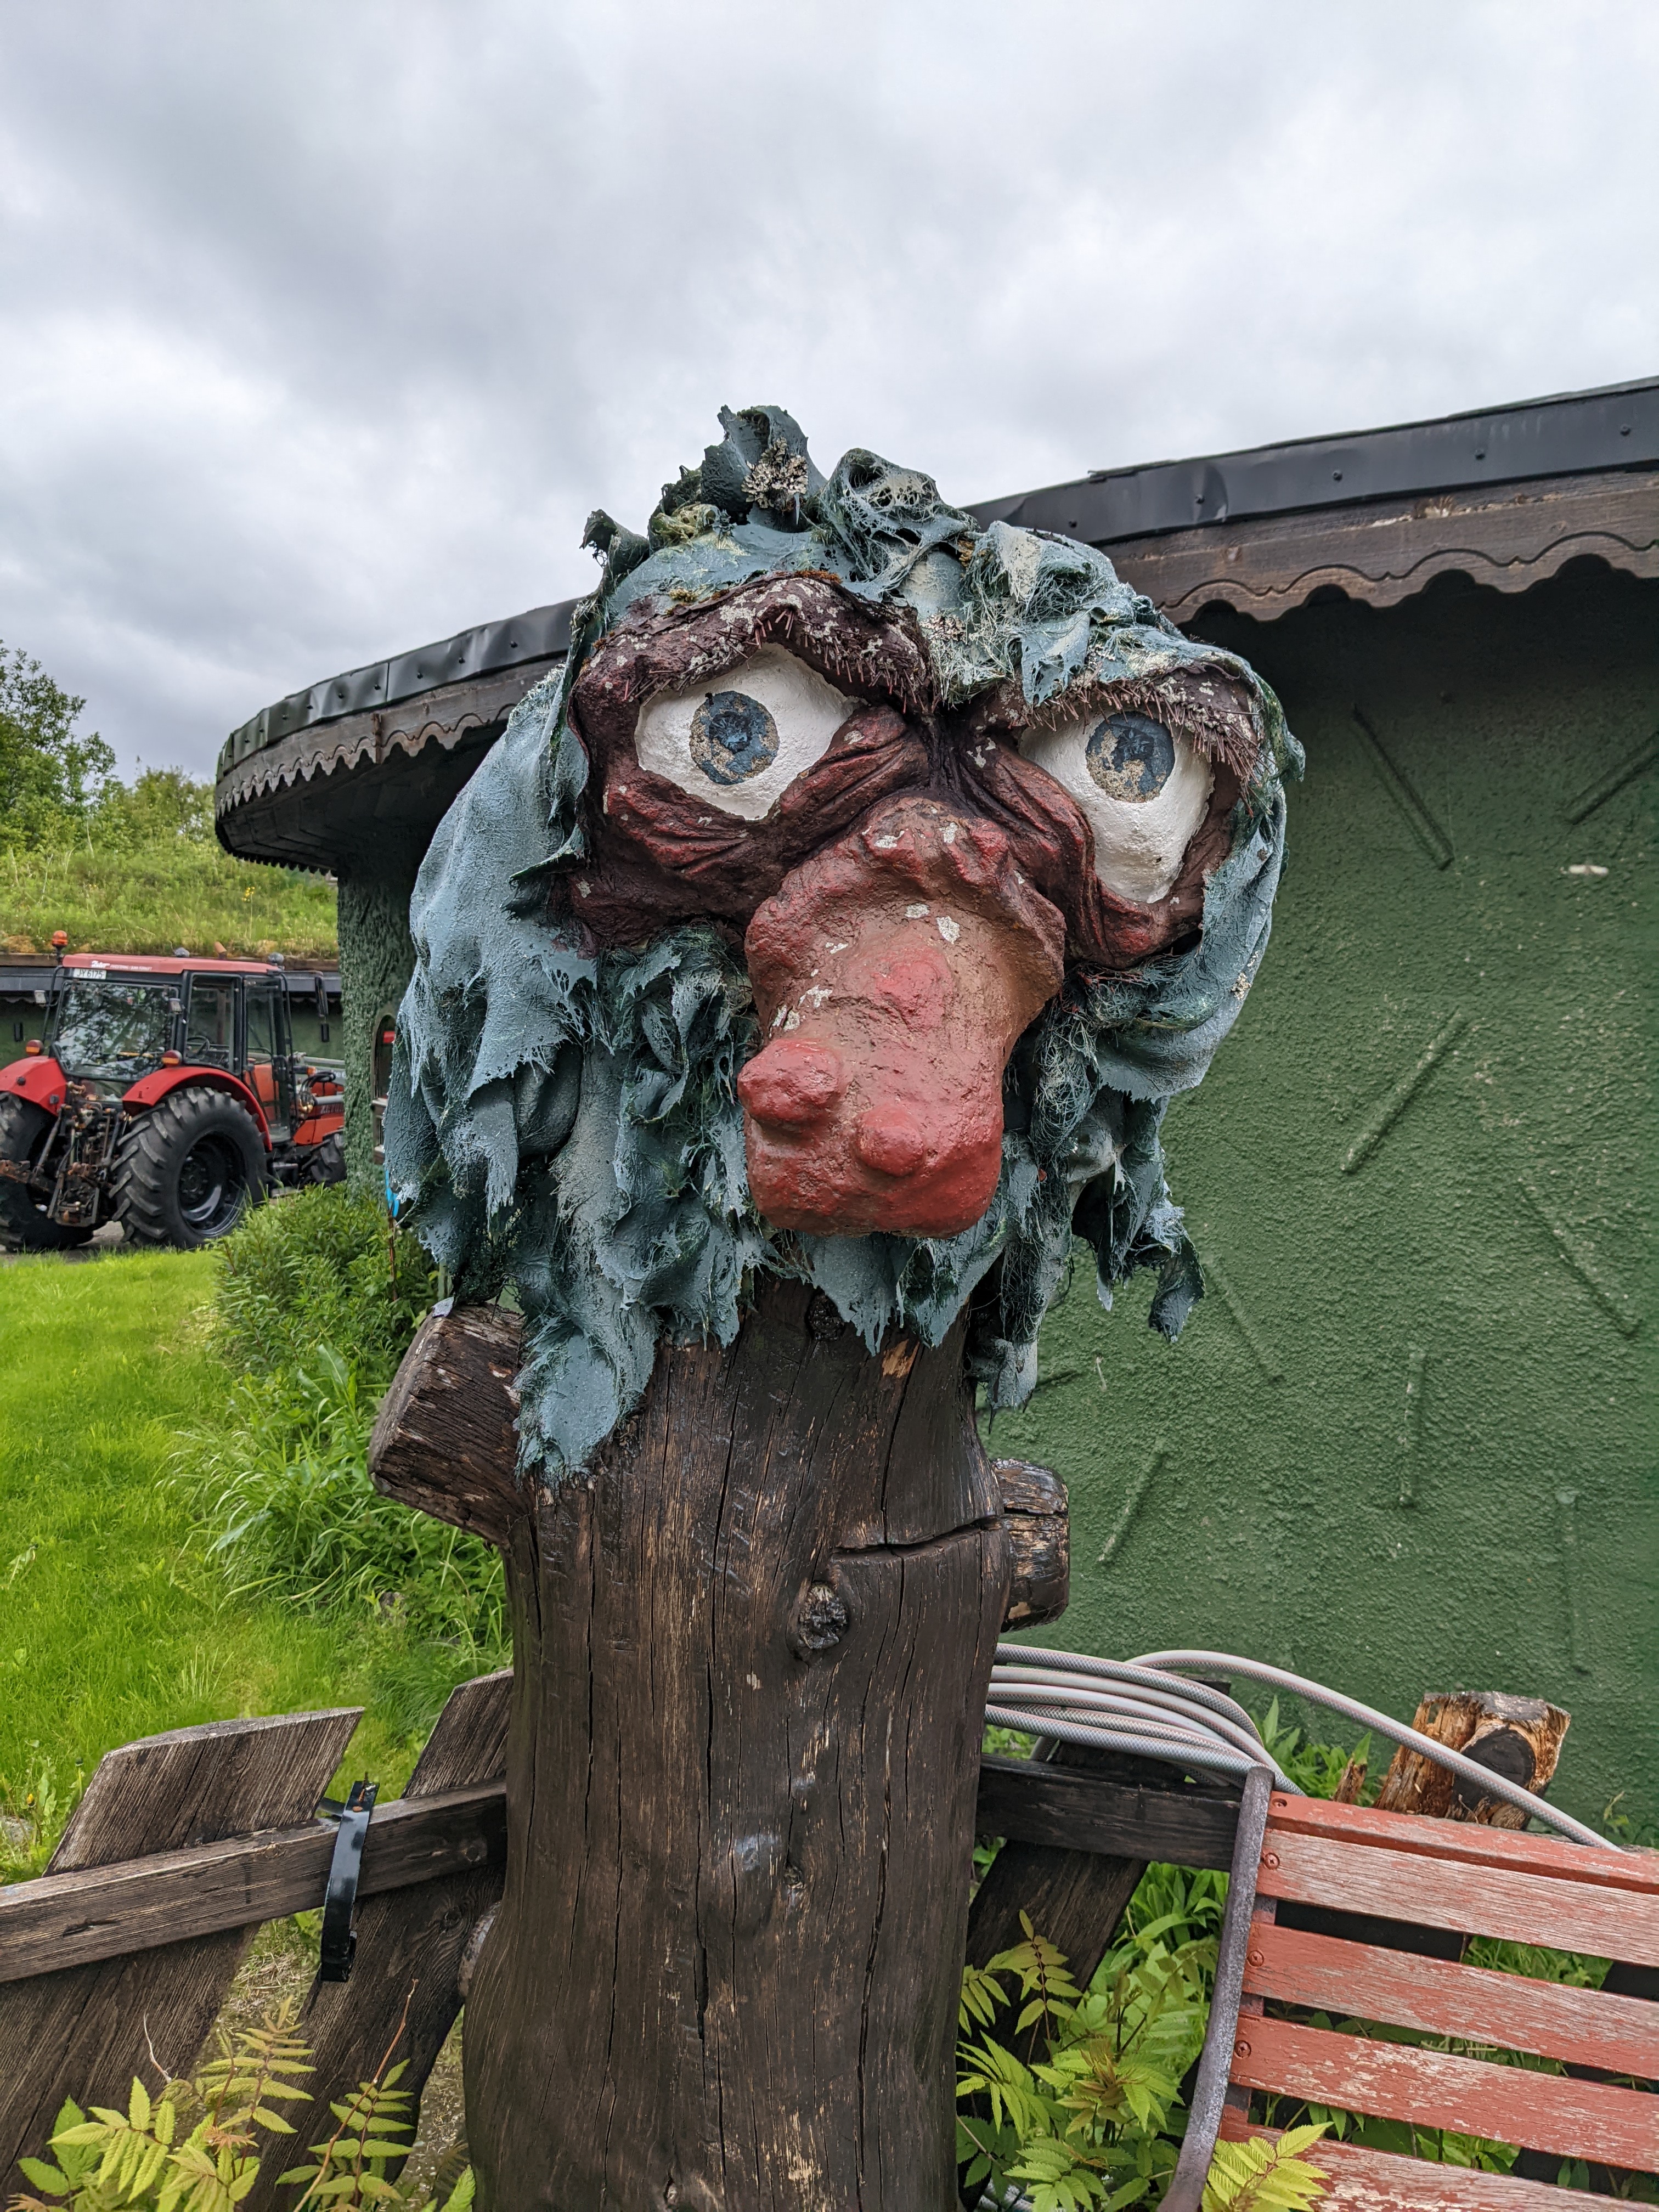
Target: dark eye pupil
<point x="733" y="737"/>
<point x="1131" y="756"/>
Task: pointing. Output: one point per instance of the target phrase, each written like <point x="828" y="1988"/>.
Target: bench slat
<point x="1396" y="2082"/>
<point x="1377" y="2181"/>
<point x="1505" y="1901"/>
<point x="1469" y="1842"/>
<point x="1619" y="2034"/>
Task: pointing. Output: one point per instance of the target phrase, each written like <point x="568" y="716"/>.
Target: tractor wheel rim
<point x="211" y="1184"/>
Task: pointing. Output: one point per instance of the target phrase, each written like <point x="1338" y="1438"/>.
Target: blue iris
<point x="733" y="737"/>
<point x="1131" y="756"/>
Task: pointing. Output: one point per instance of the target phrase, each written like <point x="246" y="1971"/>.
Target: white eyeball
<point x="1145" y="788"/>
<point x="740" y="741"/>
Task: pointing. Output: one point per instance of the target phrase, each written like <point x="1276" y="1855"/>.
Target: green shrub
<point x="315" y="1267"/>
<point x="314" y="1306"/>
<point x="140" y="2160"/>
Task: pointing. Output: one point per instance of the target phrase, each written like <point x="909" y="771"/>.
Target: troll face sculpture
<point x="850" y="908"/>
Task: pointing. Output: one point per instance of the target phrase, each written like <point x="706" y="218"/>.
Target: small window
<point x="212" y="1029"/>
<point x="261" y="1025"/>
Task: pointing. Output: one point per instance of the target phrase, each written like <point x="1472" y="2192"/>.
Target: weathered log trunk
<point x="752" y="1647"/>
<point x="1519" y="1738"/>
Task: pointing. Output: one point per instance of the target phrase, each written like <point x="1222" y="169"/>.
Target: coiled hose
<point x="1144" y="1706"/>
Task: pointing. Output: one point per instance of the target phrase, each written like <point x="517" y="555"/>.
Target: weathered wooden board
<point x="1065" y="1807"/>
<point x="1460" y="1844"/>
<point x="146" y="1905"/>
<point x="1437" y="2089"/>
<point x="1438" y="1892"/>
<point x="1377" y="2181"/>
<point x="91" y="2028"/>
<point x="1619" y="2034"/>
<point x="404" y="1994"/>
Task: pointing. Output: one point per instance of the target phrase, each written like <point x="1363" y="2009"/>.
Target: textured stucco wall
<point x="376" y="960"/>
<point x="1492" y="1245"/>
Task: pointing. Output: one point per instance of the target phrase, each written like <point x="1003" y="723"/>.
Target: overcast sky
<point x="323" y="326"/>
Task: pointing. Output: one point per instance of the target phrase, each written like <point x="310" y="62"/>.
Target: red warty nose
<point x="792" y="1083"/>
<point x="893" y="973"/>
<point x="894" y="1140"/>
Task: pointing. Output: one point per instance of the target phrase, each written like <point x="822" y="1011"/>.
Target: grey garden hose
<point x="1143" y="1706"/>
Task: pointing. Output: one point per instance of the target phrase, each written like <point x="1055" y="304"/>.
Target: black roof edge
<point x="1568" y="433"/>
<point x="538" y="634"/>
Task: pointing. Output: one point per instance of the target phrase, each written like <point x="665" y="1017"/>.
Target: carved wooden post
<point x="822" y="947"/>
<point x="752" y="1647"/>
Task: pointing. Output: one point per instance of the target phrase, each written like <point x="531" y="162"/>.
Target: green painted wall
<point x="377" y="958"/>
<point x="1270" y="1485"/>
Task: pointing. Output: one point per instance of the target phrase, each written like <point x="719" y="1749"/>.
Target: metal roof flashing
<point x="1573" y="433"/>
<point x="1164" y="516"/>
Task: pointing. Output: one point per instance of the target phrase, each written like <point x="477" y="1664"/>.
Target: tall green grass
<point x="169" y="889"/>
<point x="114" y="1622"/>
<point x="313" y="1307"/>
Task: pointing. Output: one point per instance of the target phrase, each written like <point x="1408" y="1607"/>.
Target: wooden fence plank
<point x="1034" y="1803"/>
<point x="1353" y="1980"/>
<point x="1377" y="2181"/>
<point x="1436" y="2089"/>
<point x="411" y="1941"/>
<point x="142" y="1905"/>
<point x="87" y="2031"/>
<point x="1482" y="1900"/>
<point x="1466" y="1844"/>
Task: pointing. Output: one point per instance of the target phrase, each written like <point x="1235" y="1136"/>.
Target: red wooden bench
<point x="1427" y="1875"/>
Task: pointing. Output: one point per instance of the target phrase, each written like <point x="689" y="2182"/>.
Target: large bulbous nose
<point x="894" y="972"/>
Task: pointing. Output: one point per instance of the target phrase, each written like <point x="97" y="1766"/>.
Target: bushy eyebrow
<point x="868" y="653"/>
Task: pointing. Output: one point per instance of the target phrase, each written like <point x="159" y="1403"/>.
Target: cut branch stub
<point x="445" y="1442"/>
<point x="1519" y="1738"/>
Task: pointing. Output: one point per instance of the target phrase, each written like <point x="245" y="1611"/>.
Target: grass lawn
<point x="111" y="1628"/>
<point x="169" y="890"/>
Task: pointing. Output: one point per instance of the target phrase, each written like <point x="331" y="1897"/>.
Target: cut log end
<point x="1518" y="1738"/>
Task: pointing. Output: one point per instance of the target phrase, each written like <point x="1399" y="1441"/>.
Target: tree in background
<point x="50" y="777"/>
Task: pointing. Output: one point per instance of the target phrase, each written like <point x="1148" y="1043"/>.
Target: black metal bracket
<point x="339" y="1944"/>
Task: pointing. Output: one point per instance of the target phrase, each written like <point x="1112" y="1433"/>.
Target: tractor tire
<point x="188" y="1170"/>
<point x="325" y="1163"/>
<point x="24" y="1128"/>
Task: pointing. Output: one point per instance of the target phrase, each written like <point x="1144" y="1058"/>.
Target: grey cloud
<point x="321" y="329"/>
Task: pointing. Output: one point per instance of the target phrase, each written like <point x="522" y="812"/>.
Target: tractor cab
<point x="165" y="1092"/>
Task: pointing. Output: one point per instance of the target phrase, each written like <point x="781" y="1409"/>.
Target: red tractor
<point x="165" y="1094"/>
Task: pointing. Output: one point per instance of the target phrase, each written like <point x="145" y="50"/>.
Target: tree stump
<point x="1518" y="1738"/>
<point x="752" y="1647"/>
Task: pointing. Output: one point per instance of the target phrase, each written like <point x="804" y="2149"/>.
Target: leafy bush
<point x="135" y="2161"/>
<point x="1089" y="2120"/>
<point x="315" y="1305"/>
<point x="319" y="1268"/>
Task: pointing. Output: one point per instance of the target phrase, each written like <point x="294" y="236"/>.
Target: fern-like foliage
<point x="1087" y="2120"/>
<point x="138" y="2160"/>
<point x="1260" y="2176"/>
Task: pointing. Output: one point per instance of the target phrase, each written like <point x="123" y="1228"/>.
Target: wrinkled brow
<point x="654" y="648"/>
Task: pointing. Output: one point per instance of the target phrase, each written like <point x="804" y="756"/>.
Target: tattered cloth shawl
<point x="568" y="1123"/>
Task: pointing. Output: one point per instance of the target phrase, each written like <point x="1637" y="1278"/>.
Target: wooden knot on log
<point x="446" y="1441"/>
